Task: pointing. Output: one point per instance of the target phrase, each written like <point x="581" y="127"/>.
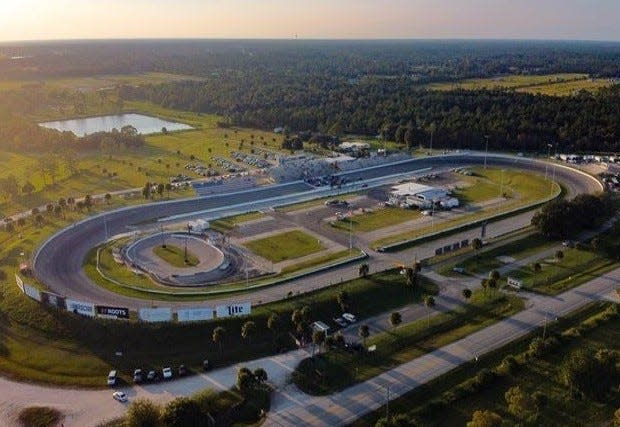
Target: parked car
<point x="120" y="396"/>
<point x="349" y="317"/>
<point x="340" y="322"/>
<point x="182" y="370"/>
<point x="166" y="373"/>
<point x="137" y="376"/>
<point x="112" y="377"/>
<point x="152" y="376"/>
<point x="459" y="270"/>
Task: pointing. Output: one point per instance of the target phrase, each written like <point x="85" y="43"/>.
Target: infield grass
<point x="176" y="256"/>
<point x="290" y="245"/>
<point x="377" y="219"/>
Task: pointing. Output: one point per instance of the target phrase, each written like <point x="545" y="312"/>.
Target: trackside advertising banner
<point x="232" y="310"/>
<point x="32" y="292"/>
<point x="112" y="312"/>
<point x="163" y="314"/>
<point x="195" y="314"/>
<point x="79" y="307"/>
<point x="53" y="300"/>
<point x="19" y="282"/>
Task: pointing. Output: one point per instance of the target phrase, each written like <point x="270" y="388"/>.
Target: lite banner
<point x="163" y="314"/>
<point x="32" y="292"/>
<point x="53" y="300"/>
<point x="19" y="282"/>
<point x="195" y="314"/>
<point x="112" y="312"/>
<point x="514" y="282"/>
<point x="233" y="310"/>
<point x="79" y="307"/>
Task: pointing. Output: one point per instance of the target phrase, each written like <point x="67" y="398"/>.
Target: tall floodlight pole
<point x="486" y="150"/>
<point x="431" y="148"/>
<point x="547" y="159"/>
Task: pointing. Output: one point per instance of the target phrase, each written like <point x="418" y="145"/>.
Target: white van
<point x="112" y="378"/>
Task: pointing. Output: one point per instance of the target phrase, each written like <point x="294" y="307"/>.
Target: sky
<point x="308" y="19"/>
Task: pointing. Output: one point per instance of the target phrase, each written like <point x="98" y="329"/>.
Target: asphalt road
<point x="58" y="263"/>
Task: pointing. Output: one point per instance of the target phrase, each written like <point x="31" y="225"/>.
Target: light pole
<point x="501" y="191"/>
<point x="431" y="147"/>
<point x="486" y="150"/>
<point x="547" y="159"/>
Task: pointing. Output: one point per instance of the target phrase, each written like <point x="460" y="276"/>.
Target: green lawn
<point x="487" y="260"/>
<point x="568" y="88"/>
<point x="377" y="219"/>
<point x="46" y="345"/>
<point x="338" y="369"/>
<point x="176" y="256"/>
<point x="230" y="222"/>
<point x="314" y="203"/>
<point x="430" y="407"/>
<point x="320" y="260"/>
<point x="284" y="246"/>
<point x="557" y="276"/>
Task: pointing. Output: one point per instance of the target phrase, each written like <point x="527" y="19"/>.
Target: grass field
<point x="284" y="246"/>
<point x="430" y="408"/>
<point x="551" y="84"/>
<point x="228" y="223"/>
<point x="338" y="369"/>
<point x="45" y="345"/>
<point x="557" y="276"/>
<point x="160" y="158"/>
<point x="314" y="203"/>
<point x="487" y="260"/>
<point x="324" y="259"/>
<point x="379" y="218"/>
<point x="176" y="256"/>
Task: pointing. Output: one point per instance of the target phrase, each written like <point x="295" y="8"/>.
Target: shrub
<point x="508" y="366"/>
<point x="39" y="416"/>
<point x="143" y="413"/>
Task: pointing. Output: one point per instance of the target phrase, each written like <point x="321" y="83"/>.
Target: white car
<point x="112" y="378"/>
<point x="349" y="317"/>
<point x="120" y="396"/>
<point x="166" y="373"/>
<point x="340" y="322"/>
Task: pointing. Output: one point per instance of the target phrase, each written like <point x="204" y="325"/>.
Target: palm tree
<point x="273" y="323"/>
<point x="484" y="283"/>
<point x="537" y="268"/>
<point x="395" y="319"/>
<point x="318" y="338"/>
<point x="559" y="255"/>
<point x="363" y="332"/>
<point x="429" y="302"/>
<point x="261" y="375"/>
<point x="492" y="283"/>
<point x="364" y="269"/>
<point x="494" y="274"/>
<point x="476" y="245"/>
<point x="466" y="293"/>
<point x="218" y="336"/>
<point x="247" y="330"/>
<point x="107" y="198"/>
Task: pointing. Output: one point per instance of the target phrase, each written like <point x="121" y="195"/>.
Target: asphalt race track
<point x="58" y="263"/>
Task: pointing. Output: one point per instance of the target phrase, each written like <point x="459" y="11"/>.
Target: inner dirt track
<point x="58" y="262"/>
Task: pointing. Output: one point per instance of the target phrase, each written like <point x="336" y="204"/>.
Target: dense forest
<point x="399" y="110"/>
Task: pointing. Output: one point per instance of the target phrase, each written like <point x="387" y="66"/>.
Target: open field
<point x="433" y="405"/>
<point x="314" y="203"/>
<point x="556" y="276"/>
<point x="487" y="260"/>
<point x="323" y="259"/>
<point x="284" y="246"/>
<point x="161" y="157"/>
<point x="379" y="218"/>
<point x="176" y="256"/>
<point x="340" y="369"/>
<point x="551" y="84"/>
<point x="45" y="345"/>
<point x="97" y="83"/>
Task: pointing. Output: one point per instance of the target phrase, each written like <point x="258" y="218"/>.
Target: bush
<point x="509" y="366"/>
<point x="143" y="413"/>
<point x="39" y="416"/>
<point x="182" y="412"/>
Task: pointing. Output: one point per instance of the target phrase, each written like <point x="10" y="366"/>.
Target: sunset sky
<point x="531" y="19"/>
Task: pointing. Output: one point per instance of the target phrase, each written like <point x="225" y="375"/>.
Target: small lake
<point x="145" y="124"/>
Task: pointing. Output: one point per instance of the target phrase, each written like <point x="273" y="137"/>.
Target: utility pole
<point x="501" y="191"/>
<point x="486" y="150"/>
<point x="547" y="159"/>
<point x="545" y="327"/>
<point x="552" y="181"/>
<point x="431" y="147"/>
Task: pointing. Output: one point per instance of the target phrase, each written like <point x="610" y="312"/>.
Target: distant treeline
<point x="423" y="60"/>
<point x="399" y="110"/>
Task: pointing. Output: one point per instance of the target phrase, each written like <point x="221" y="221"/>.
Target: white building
<point x="412" y="194"/>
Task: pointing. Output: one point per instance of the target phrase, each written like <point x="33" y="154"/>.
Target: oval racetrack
<point x="58" y="263"/>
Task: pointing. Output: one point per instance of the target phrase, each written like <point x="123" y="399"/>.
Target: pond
<point x="144" y="124"/>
